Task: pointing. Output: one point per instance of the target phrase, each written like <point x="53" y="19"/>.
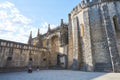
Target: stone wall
<point x="14" y="54"/>
<point x="87" y="42"/>
<point x="56" y="42"/>
<point x="99" y="49"/>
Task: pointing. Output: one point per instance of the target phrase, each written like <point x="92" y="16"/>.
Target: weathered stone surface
<point x="13" y="54"/>
<point x="89" y="42"/>
<point x="101" y="21"/>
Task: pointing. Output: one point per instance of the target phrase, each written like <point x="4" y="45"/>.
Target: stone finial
<point x="62" y="22"/>
<point x="82" y="3"/>
<point x="30" y="34"/>
<point x="49" y="27"/>
<point x="38" y="34"/>
<point x="30" y="38"/>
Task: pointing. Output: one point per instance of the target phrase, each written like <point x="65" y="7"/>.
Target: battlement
<point x="17" y="45"/>
<point x="88" y="3"/>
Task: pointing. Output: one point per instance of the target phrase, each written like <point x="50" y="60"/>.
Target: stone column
<point x="87" y="43"/>
<point x="111" y="40"/>
<point x="75" y="44"/>
<point x="70" y="43"/>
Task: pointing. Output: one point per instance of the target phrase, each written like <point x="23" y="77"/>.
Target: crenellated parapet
<point x="16" y="45"/>
<point x="88" y="3"/>
<point x="93" y="36"/>
<point x="19" y="55"/>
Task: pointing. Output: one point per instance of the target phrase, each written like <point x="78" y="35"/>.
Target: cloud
<point x="7" y="5"/>
<point x="15" y="26"/>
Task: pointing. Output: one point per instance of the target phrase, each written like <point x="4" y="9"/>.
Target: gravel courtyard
<point x="59" y="75"/>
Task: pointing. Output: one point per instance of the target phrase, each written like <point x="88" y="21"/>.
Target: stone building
<point x="56" y="42"/>
<point x="94" y="36"/>
<point x="89" y="42"/>
<point x="16" y="56"/>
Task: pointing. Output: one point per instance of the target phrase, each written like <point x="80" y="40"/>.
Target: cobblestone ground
<point x="59" y="75"/>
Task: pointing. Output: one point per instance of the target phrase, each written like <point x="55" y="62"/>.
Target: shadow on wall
<point x="75" y="64"/>
<point x="84" y="67"/>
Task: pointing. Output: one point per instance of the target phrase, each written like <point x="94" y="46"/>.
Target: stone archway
<point x="54" y="49"/>
<point x="55" y="43"/>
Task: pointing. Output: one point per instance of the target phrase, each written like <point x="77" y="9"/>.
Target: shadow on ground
<point x="59" y="75"/>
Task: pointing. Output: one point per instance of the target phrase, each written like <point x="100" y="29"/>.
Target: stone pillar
<point x="111" y="40"/>
<point x="75" y="44"/>
<point x="70" y="43"/>
<point x="87" y="43"/>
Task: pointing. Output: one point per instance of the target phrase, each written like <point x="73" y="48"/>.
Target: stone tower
<point x="94" y="36"/>
<point x="39" y="39"/>
<point x="30" y="38"/>
<point x="38" y="34"/>
<point x="49" y="29"/>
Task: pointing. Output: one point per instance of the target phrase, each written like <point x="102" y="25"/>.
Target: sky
<point x="19" y="17"/>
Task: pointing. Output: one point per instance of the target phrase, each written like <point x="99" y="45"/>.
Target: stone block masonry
<point x="14" y="54"/>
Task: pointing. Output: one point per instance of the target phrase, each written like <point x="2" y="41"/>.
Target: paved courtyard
<point x="59" y="75"/>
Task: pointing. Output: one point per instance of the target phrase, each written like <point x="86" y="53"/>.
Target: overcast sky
<point x="19" y="17"/>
